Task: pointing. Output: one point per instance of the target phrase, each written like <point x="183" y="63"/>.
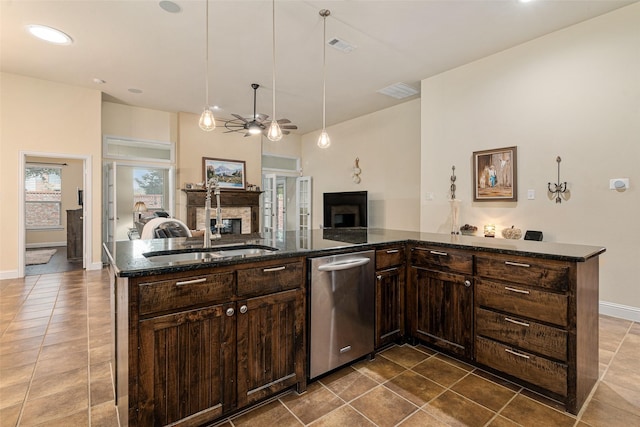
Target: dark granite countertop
<point x="128" y="260"/>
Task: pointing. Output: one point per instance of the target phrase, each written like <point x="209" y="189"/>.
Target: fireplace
<point x="345" y="216"/>
<point x="234" y="204"/>
<point x="346" y="209"/>
<point x="229" y="226"/>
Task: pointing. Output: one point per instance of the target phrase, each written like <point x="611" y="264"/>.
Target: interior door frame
<point x="87" y="211"/>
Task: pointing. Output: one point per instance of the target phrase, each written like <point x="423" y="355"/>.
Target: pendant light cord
<point x="324" y="14"/>
<point x="273" y="11"/>
<point x="206" y="56"/>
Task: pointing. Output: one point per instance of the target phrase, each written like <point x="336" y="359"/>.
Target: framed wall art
<point x="494" y="175"/>
<point x="230" y="173"/>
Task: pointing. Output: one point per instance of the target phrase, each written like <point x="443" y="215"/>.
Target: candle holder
<point x="559" y="188"/>
<point x="490" y="230"/>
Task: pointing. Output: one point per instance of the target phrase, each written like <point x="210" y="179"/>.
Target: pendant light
<point x="274" y="133"/>
<point x="207" y="121"/>
<point x="324" y="141"/>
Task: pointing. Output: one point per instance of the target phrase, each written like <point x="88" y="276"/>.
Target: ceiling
<point x="135" y="44"/>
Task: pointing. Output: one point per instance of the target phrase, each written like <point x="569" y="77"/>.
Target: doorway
<point x="52" y="189"/>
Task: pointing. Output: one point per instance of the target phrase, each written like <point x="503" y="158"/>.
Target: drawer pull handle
<point x="515" y="353"/>
<point x="191" y="282"/>
<point x="520" y="291"/>
<point x="439" y="253"/>
<point x="269" y="270"/>
<point x="393" y="251"/>
<point x="517" y="264"/>
<point x="517" y="322"/>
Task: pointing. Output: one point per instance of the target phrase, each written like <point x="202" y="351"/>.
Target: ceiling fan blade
<point x="285" y="132"/>
<point x="239" y="117"/>
<point x="261" y="117"/>
<point x="283" y="121"/>
<point x="289" y="127"/>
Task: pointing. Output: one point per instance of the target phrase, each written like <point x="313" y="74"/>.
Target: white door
<point x="280" y="224"/>
<point x="110" y="208"/>
<point x="268" y="202"/>
<point x="303" y="212"/>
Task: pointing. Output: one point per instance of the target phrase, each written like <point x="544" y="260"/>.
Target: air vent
<point x="340" y="44"/>
<point x="398" y="91"/>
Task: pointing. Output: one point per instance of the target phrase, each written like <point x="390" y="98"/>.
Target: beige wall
<point x="194" y="144"/>
<point x="45" y="117"/>
<point x="71" y="182"/>
<point x="387" y="143"/>
<point x="138" y="123"/>
<point x="574" y="94"/>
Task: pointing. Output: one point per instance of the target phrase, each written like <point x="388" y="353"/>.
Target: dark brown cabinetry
<point x="74" y="234"/>
<point x="532" y="323"/>
<point x="199" y="346"/>
<point x="441" y="299"/>
<point x="390" y="295"/>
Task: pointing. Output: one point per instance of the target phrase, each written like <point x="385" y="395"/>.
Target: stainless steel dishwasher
<point x="342" y="310"/>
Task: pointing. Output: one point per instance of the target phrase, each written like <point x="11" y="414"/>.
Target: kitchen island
<point x="196" y="339"/>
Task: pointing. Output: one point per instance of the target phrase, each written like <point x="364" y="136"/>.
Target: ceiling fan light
<point x="207" y="121"/>
<point x="254" y="129"/>
<point x="274" y="133"/>
<point x="324" y="141"/>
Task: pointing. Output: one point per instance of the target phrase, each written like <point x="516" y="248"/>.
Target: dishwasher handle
<point x="344" y="265"/>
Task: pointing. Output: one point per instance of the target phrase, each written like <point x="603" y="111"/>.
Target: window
<point x="43" y="197"/>
<point x="149" y="187"/>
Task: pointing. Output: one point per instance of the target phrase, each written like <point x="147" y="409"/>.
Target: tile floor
<point x="57" y="264"/>
<point x="55" y="371"/>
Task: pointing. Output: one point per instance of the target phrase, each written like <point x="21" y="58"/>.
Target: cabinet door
<point x="443" y="310"/>
<point x="186" y="366"/>
<point x="389" y="305"/>
<point x="271" y="348"/>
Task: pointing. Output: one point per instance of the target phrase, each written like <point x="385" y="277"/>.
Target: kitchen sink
<point x="209" y="254"/>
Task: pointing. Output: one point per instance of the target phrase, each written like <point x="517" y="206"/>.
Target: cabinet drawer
<point x="389" y="257"/>
<point x="523" y="301"/>
<point x="274" y="277"/>
<point x="184" y="292"/>
<point x="526" y="334"/>
<point x="536" y="370"/>
<point x="442" y="259"/>
<point x="526" y="271"/>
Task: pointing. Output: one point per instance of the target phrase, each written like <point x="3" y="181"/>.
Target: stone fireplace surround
<point x="234" y="204"/>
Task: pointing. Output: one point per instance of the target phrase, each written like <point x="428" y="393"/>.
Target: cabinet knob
<point x="467" y="283"/>
<point x="243" y="309"/>
<point x="230" y="312"/>
<point x="379" y="277"/>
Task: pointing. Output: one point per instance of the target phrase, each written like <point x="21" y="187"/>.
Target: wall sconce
<point x="560" y="187"/>
<point x="138" y="209"/>
<point x="355" y="175"/>
<point x="490" y="230"/>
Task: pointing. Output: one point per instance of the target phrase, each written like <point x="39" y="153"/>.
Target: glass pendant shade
<point x="324" y="141"/>
<point x="274" y="133"/>
<point x="207" y="122"/>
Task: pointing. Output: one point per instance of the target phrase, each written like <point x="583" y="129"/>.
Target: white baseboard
<point x="621" y="311"/>
<point x="45" y="245"/>
<point x="9" y="274"/>
<point x="95" y="266"/>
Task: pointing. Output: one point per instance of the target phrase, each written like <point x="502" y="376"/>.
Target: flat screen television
<point x="345" y="209"/>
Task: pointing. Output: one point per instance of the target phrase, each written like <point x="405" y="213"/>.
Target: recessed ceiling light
<point x="134" y="90"/>
<point x="170" y="6"/>
<point x="49" y="34"/>
<point x="216" y="107"/>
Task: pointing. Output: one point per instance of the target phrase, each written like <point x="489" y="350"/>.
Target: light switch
<point x="531" y="194"/>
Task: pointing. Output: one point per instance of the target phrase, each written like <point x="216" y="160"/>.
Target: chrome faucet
<point x="213" y="182"/>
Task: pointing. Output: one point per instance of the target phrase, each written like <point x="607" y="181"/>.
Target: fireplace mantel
<point x="228" y="199"/>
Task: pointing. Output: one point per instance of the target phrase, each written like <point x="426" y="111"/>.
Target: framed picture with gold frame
<point x="494" y="175"/>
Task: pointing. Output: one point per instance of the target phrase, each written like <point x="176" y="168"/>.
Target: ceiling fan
<point x="258" y="123"/>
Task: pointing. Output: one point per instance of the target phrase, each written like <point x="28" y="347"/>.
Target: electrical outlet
<point x="531" y="194"/>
